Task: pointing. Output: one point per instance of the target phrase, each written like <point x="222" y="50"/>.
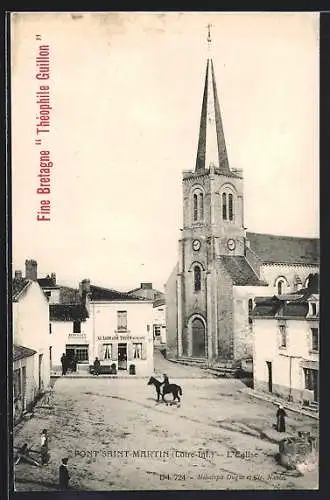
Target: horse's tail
<point x="180" y="391"/>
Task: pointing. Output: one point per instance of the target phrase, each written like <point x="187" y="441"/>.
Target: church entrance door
<point x="198" y="338"/>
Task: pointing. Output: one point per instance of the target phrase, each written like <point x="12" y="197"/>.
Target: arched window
<point x="280" y="284"/>
<point x="230" y="206"/>
<point x="224" y="206"/>
<point x="198" y="205"/>
<point x="197" y="279"/>
<point x="228" y="203"/>
<point x="195" y="207"/>
<point x="201" y="206"/>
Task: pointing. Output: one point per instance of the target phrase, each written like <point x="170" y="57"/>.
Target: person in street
<point x="64" y="474"/>
<point x="165" y="382"/>
<point x="97" y="365"/>
<point x="44" y="447"/>
<point x="64" y="363"/>
<point x="24" y="454"/>
<point x="280" y="419"/>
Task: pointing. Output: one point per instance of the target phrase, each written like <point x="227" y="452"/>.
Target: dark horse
<point x="167" y="389"/>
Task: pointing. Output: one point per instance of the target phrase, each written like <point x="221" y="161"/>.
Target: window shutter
<point x="114" y="351"/>
<point x="130" y="351"/>
<point x="144" y="350"/>
<point x="100" y="351"/>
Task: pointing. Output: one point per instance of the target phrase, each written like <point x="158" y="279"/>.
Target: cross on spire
<point x="209" y="39"/>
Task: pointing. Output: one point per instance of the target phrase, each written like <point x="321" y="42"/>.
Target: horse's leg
<point x="158" y="393"/>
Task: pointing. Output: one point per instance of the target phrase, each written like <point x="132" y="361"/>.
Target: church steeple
<point x="211" y="143"/>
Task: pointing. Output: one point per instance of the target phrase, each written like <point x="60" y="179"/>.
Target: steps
<point x="313" y="406"/>
<point x="219" y="369"/>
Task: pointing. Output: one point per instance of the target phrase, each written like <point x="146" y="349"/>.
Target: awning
<point x="311" y="365"/>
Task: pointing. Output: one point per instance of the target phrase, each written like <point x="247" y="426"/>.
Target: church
<point x="221" y="267"/>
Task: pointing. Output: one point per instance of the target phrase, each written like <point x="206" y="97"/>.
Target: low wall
<point x="299" y="452"/>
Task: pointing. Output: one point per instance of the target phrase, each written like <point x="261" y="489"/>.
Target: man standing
<point x="64" y="475"/>
<point x="44" y="447"/>
<point x="280" y="416"/>
<point x="97" y="365"/>
<point x="64" y="363"/>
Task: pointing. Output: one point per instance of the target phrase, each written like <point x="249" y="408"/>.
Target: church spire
<point x="211" y="142"/>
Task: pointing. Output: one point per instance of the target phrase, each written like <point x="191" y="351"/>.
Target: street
<point x="118" y="438"/>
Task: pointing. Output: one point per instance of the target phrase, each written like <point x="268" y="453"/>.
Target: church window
<point x="197" y="279"/>
<point x="201" y="206"/>
<point x="195" y="207"/>
<point x="224" y="206"/>
<point x="230" y="207"/>
<point x="198" y="206"/>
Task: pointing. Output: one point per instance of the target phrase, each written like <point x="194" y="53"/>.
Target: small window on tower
<point x="224" y="206"/>
<point x="201" y="206"/>
<point x="195" y="207"/>
<point x="197" y="278"/>
<point x="230" y="206"/>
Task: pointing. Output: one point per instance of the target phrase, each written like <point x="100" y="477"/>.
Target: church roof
<point x="273" y="249"/>
<point x="240" y="271"/>
<point x="211" y="141"/>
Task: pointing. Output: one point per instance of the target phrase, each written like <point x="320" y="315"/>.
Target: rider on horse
<point x="165" y="381"/>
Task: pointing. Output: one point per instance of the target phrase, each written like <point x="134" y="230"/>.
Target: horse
<point x="167" y="389"/>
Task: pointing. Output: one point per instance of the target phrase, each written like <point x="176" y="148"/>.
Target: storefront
<point x="122" y="350"/>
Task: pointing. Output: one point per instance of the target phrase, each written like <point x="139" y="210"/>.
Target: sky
<point x="126" y="94"/>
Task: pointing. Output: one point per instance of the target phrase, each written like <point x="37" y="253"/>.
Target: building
<point x="159" y="321"/>
<point x="119" y="328"/>
<point x="286" y="344"/>
<point x="147" y="291"/>
<point x="31" y="353"/>
<point x="93" y="321"/>
<point x="221" y="267"/>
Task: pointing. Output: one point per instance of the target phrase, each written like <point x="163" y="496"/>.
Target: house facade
<point x="286" y="345"/>
<point x="94" y="321"/>
<point x="31" y="353"/>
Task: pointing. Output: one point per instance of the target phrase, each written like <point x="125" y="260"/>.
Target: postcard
<point x="165" y="243"/>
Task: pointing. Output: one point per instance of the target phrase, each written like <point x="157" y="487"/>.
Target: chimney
<point x="31" y="272"/>
<point x="53" y="277"/>
<point x="146" y="286"/>
<point x="84" y="289"/>
<point x="18" y="275"/>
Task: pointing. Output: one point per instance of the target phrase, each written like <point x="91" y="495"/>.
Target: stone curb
<point x="287" y="406"/>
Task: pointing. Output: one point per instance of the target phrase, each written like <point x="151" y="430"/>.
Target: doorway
<point x="270" y="376"/>
<point x="198" y="338"/>
<point x="122" y="356"/>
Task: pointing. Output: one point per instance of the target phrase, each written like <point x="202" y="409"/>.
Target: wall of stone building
<point x="270" y="273"/>
<point x="225" y="314"/>
<point x="171" y="314"/>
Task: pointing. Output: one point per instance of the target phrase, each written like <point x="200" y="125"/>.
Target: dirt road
<point x="118" y="438"/>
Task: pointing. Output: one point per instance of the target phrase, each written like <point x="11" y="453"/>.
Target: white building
<point x="147" y="291"/>
<point x="286" y="345"/>
<point x="31" y="353"/>
<point x="113" y="326"/>
<point x="159" y="321"/>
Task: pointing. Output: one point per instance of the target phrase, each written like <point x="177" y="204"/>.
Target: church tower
<point x="213" y="227"/>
